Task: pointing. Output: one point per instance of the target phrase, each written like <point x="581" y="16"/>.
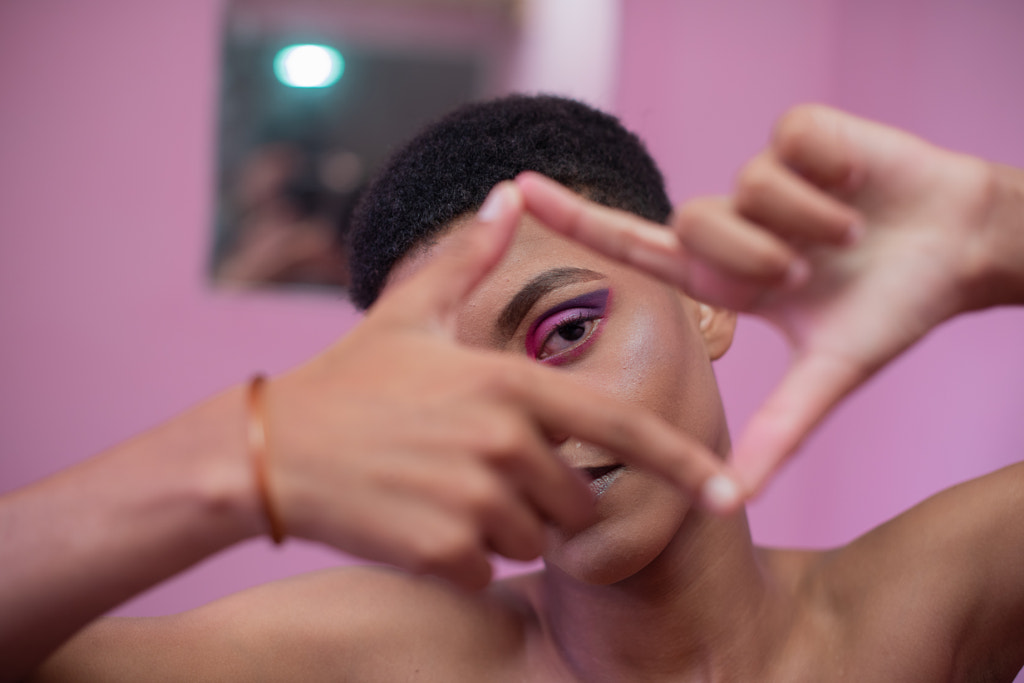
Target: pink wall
<point x="106" y="133"/>
<point x="703" y="81"/>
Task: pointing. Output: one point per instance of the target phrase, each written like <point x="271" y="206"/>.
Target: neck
<point x="704" y="608"/>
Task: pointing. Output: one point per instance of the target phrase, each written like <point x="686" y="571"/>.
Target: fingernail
<point x="659" y="237"/>
<point x="798" y="273"/>
<point x="720" y="493"/>
<point x="493" y="205"/>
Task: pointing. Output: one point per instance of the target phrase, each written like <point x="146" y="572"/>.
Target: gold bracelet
<point x="257" y="425"/>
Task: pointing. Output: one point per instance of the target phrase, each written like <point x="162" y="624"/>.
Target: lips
<point x="602" y="477"/>
<point x="598" y="472"/>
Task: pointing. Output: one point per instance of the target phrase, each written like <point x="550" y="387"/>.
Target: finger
<point x="634" y="434"/>
<point x="809" y="390"/>
<point x="712" y="255"/>
<point x="771" y="195"/>
<point x="553" y="488"/>
<point x="617" y="234"/>
<point x="448" y="546"/>
<point x="611" y="231"/>
<point x="513" y="528"/>
<point x="513" y="444"/>
<point x="422" y="538"/>
<point x="495" y="442"/>
<point x="490" y="499"/>
<point x="712" y="286"/>
<point x="812" y="140"/>
<point x="715" y="234"/>
<point x="444" y="282"/>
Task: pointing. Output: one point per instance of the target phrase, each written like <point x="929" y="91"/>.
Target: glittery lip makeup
<point x="571" y="315"/>
<point x="603" y="477"/>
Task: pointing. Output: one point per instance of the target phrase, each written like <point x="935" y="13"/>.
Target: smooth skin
<point x="654" y="589"/>
<point x="937" y="234"/>
<point x="399" y="444"/>
<point x="84" y="543"/>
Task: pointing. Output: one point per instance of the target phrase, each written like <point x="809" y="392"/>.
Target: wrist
<point x="212" y="452"/>
<point x="998" y="276"/>
<point x="301" y="428"/>
<point x="1006" y="226"/>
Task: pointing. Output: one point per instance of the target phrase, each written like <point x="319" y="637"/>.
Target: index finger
<point x="637" y="435"/>
<point x="723" y="260"/>
<point x="618" y="234"/>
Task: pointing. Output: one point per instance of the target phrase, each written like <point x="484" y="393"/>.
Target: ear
<point x="717" y="326"/>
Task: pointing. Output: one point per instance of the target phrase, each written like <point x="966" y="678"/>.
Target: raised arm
<point x="854" y="238"/>
<point x="397" y="444"/>
<point x="82" y="541"/>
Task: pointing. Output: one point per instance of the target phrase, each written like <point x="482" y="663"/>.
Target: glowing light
<point x="309" y="66"/>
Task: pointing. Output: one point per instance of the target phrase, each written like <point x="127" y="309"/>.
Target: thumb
<point x="808" y="391"/>
<point x="463" y="262"/>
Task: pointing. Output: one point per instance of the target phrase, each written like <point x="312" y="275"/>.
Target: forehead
<point x="534" y="250"/>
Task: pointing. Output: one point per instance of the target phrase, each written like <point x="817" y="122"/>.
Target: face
<point x="622" y="334"/>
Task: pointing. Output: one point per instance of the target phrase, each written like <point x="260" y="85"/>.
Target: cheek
<point x="637" y="357"/>
<point x="655" y="359"/>
<point x="650" y="362"/>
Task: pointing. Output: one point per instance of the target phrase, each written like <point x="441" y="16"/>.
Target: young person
<point x="650" y="587"/>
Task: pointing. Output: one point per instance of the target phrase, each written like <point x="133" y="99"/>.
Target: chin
<point x="597" y="571"/>
<point x="635" y="525"/>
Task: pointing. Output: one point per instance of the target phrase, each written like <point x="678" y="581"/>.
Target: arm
<point x="92" y="536"/>
<point x="397" y="444"/>
<point x="355" y="623"/>
<point x="855" y="239"/>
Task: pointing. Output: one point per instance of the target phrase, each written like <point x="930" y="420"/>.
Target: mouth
<point x="602" y="477"/>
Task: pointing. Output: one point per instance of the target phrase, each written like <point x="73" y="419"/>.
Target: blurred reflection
<point x="297" y="147"/>
<point x="288" y="224"/>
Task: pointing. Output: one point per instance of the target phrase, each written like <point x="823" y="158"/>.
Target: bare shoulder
<point x="937" y="593"/>
<point x="355" y="623"/>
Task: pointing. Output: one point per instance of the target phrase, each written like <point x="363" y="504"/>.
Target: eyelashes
<point x="564" y="332"/>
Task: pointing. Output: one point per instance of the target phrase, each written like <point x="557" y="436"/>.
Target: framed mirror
<point x="314" y="95"/>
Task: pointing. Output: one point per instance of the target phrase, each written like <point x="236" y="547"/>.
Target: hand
<point x="400" y="445"/>
<point x="783" y="248"/>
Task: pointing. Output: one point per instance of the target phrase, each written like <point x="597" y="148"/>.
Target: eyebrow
<point x="548" y="281"/>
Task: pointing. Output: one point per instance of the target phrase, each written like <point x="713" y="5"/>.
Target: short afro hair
<point x="448" y="169"/>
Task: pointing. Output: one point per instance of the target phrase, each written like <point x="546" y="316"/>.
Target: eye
<point x="568" y="333"/>
<point x="563" y="332"/>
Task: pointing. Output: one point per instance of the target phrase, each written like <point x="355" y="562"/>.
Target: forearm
<point x="83" y="541"/>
